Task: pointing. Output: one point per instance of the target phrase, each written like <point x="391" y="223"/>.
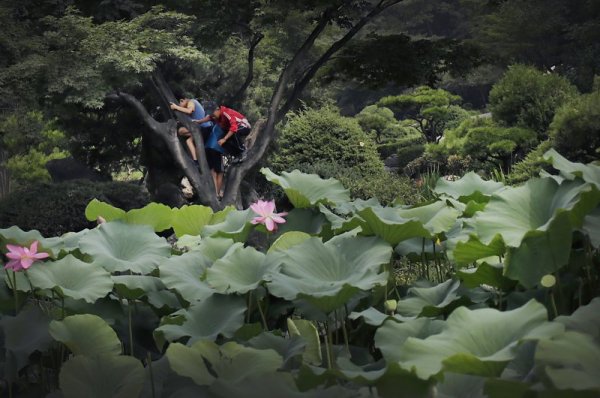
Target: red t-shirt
<point x="231" y="120"/>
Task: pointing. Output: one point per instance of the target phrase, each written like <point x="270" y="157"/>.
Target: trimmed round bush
<point x="575" y="130"/>
<point x="54" y="209"/>
<point x="529" y="98"/>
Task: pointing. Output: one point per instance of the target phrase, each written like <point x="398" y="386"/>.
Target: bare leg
<point x="214" y="176"/>
<point x="219" y="183"/>
<point x="183" y="132"/>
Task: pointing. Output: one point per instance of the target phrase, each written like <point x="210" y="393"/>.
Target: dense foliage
<point x="511" y="302"/>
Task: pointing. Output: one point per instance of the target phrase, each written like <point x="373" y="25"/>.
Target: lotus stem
<point x="344" y="331"/>
<point x="328" y="344"/>
<point x="130" y="327"/>
<point x="262" y="314"/>
<point x="553" y="303"/>
<point x="149" y="359"/>
<point x="14" y="275"/>
<point x="249" y="306"/>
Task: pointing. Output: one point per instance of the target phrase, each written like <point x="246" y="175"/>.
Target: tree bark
<point x="4" y="175"/>
<point x="239" y="96"/>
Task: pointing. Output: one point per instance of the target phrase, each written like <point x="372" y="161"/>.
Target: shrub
<point x="323" y="135"/>
<point x="384" y="186"/>
<point x="575" y="130"/>
<point x="531" y="165"/>
<point x="529" y="98"/>
<point x="407" y="154"/>
<point x="54" y="209"/>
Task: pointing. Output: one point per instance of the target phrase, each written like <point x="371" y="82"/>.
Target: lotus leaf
<point x="102" y="376"/>
<point x="471" y="187"/>
<point x="328" y="274"/>
<point x="97" y="208"/>
<point x="240" y="271"/>
<point x="569" y="170"/>
<point x="477" y="342"/>
<point x="73" y="278"/>
<point x="207" y="319"/>
<point x="206" y="361"/>
<point x="390" y="337"/>
<point x="307" y="330"/>
<point x="183" y="274"/>
<point x="287" y="240"/>
<point x="156" y="215"/>
<point x="236" y="226"/>
<point x="429" y="301"/>
<point x="288" y="348"/>
<point x="307" y="190"/>
<point x="123" y="247"/>
<point x="133" y="287"/>
<point x="586" y="319"/>
<point x="189" y="220"/>
<point x="591" y="226"/>
<point x="485" y="274"/>
<point x="86" y="335"/>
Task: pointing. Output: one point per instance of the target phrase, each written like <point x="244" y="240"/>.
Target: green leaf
<point x="391" y="337"/>
<point x="133" y="287"/>
<point x="429" y="301"/>
<point x="307" y="330"/>
<point x="467" y="252"/>
<point x="230" y="362"/>
<point x="328" y="274"/>
<point x="477" y="342"/>
<point x="307" y="190"/>
<point x="514" y="212"/>
<point x="86" y="335"/>
<point x="471" y="187"/>
<point x="120" y="247"/>
<point x="207" y="319"/>
<point x="183" y="274"/>
<point x="540" y="253"/>
<point x="588" y="173"/>
<point x="73" y="277"/>
<point x="156" y="215"/>
<point x="591" y="227"/>
<point x="240" y="271"/>
<point x="571" y="361"/>
<point x="586" y="319"/>
<point x="102" y="376"/>
<point x="189" y="220"/>
<point x="236" y="226"/>
<point x="287" y="240"/>
<point x="24" y="334"/>
<point x="97" y="208"/>
<point x="485" y="274"/>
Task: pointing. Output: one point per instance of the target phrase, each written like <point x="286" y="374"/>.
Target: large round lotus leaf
<point x="97" y="208"/>
<point x="73" y="277"/>
<point x="571" y="361"/>
<point x="189" y="220"/>
<point x="156" y="215"/>
<point x="390" y="337"/>
<point x="465" y="252"/>
<point x="66" y="243"/>
<point x="183" y="274"/>
<point x="133" y="287"/>
<point x="514" y="212"/>
<point x="470" y="187"/>
<point x="588" y="173"/>
<point x="586" y="319"/>
<point x="485" y="274"/>
<point x="396" y="225"/>
<point x="205" y="361"/>
<point x="308" y="331"/>
<point x="23" y="335"/>
<point x="591" y="227"/>
<point x="268" y="385"/>
<point x="328" y="274"/>
<point x="120" y="247"/>
<point x="240" y="271"/>
<point x="236" y="226"/>
<point x="429" y="301"/>
<point x="86" y="335"/>
<point x="207" y="319"/>
<point x="374" y="317"/>
<point x="540" y="253"/>
<point x="463" y="386"/>
<point x="101" y="377"/>
<point x="288" y="348"/>
<point x="477" y="342"/>
<point x="308" y="221"/>
<point x="307" y="190"/>
<point x="287" y="240"/>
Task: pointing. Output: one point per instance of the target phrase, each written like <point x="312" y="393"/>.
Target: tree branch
<point x="238" y="97"/>
<point x="301" y="83"/>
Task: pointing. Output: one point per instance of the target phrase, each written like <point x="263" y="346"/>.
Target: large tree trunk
<point x="292" y="81"/>
<point x="4" y="175"/>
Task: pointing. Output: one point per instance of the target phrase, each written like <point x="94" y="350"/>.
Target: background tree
<point x="430" y="108"/>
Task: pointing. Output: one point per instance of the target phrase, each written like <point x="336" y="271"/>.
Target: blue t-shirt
<point x="199" y="113"/>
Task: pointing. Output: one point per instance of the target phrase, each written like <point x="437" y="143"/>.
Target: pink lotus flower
<point x="22" y="257"/>
<point x="266" y="214"/>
